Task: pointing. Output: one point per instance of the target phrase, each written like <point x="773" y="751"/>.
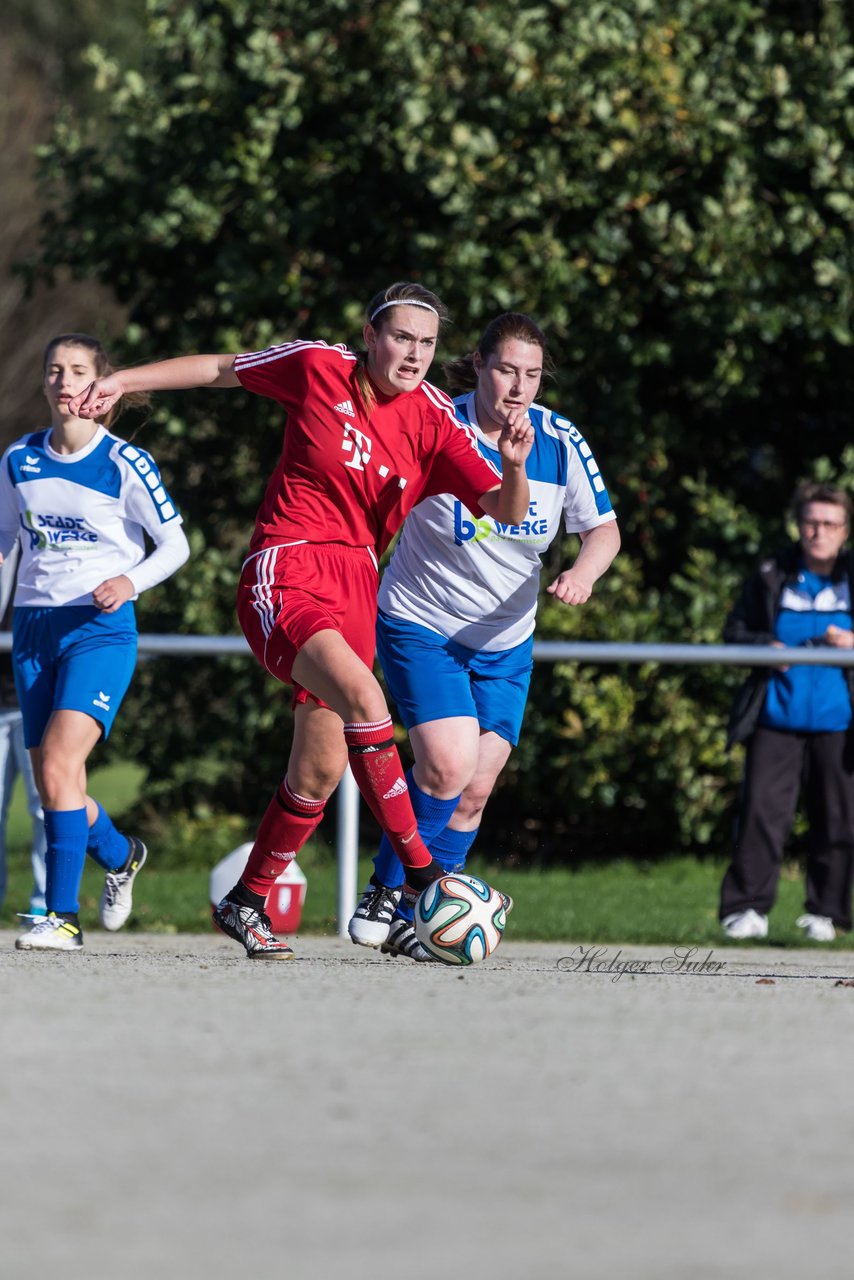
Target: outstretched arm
<point x="599" y="546"/>
<point x="179" y="374"/>
<point x="508" y="502"/>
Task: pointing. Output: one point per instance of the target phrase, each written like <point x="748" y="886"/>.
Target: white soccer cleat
<point x="401" y="941"/>
<point x="117" y="894"/>
<point x="52" y="933"/>
<point x="251" y="928"/>
<point x="371" y="921"/>
<point x="745" y="924"/>
<point x="817" y="928"/>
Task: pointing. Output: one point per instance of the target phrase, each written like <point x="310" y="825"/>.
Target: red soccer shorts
<point x="288" y="594"/>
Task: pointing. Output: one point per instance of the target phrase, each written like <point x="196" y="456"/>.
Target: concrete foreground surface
<point x="172" y="1109"/>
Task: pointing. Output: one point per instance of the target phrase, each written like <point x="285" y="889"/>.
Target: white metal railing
<point x="347" y="811"/>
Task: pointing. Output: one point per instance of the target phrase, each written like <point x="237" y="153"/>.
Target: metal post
<point x="347" y="849"/>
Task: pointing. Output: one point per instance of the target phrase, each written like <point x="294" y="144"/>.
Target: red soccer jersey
<point x="343" y="476"/>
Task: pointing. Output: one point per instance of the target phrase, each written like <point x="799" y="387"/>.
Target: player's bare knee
<point x="366" y="704"/>
<point x="442" y="778"/>
<point x="471" y="806"/>
<point x="54" y="778"/>
<point x="315" y="781"/>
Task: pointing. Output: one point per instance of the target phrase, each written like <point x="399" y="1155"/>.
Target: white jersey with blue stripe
<point x="81" y="517"/>
<point x="477" y="581"/>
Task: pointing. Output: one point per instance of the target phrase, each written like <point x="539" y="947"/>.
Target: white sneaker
<point x="745" y="924"/>
<point x="817" y="928"/>
<point x="402" y="941"/>
<point x="117" y="895"/>
<point x="52" y="933"/>
<point x="370" y="923"/>
<point x="251" y="928"/>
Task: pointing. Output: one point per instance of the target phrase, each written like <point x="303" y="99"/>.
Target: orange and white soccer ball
<point x="460" y="919"/>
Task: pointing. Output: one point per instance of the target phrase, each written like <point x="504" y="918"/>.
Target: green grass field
<point x="668" y="903"/>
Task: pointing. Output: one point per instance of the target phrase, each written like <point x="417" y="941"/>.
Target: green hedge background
<point x="668" y="188"/>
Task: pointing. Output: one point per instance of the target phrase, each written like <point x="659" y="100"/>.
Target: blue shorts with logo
<point x="431" y="678"/>
<point x="75" y="658"/>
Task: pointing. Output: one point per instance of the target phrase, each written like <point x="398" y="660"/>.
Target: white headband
<point x="402" y="302"/>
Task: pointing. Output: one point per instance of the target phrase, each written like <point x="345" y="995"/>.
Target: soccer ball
<point x="459" y="919"/>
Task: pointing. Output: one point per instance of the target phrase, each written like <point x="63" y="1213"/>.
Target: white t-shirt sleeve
<point x="586" y="502"/>
<point x="169" y="554"/>
<point x="148" y="504"/>
<point x="145" y="497"/>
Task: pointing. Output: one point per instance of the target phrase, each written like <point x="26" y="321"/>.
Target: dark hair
<point x="461" y="374"/>
<point x="92" y="345"/>
<point x="378" y="313"/>
<point x="103" y="367"/>
<point x="817" y="491"/>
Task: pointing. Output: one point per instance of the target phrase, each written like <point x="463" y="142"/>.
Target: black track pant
<point x="778" y="765"/>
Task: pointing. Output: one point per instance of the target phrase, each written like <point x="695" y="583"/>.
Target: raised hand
<point x="98" y="398"/>
<point x="516" y="439"/>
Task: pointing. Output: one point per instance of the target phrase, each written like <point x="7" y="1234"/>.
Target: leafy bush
<point x="668" y="189"/>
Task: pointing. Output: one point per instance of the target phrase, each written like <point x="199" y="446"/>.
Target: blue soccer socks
<point x="105" y="844"/>
<point x="450" y="848"/>
<point x="67" y="832"/>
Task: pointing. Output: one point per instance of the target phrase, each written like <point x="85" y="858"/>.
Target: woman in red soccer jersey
<point x="367" y="439"/>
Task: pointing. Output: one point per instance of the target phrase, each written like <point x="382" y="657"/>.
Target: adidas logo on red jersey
<point x="346" y="406"/>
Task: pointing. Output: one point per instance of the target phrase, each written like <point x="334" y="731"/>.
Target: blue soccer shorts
<point x="431" y="678"/>
<point x="75" y="658"/>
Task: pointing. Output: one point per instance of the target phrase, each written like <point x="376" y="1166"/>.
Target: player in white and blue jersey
<point x="457" y="608"/>
<point x="82" y="502"/>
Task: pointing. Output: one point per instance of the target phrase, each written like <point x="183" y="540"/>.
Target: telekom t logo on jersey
<point x="357" y="445"/>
